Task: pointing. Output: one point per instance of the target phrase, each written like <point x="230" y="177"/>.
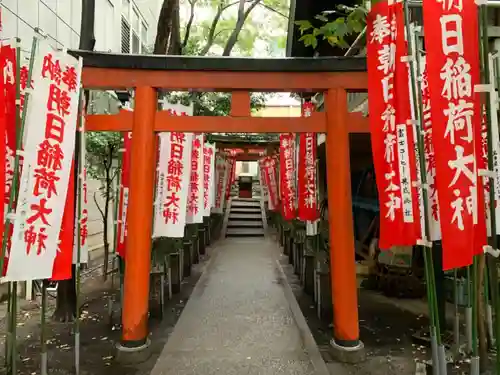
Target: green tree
<point x="230" y="28"/>
<point x="102" y="149"/>
<point x="335" y="26"/>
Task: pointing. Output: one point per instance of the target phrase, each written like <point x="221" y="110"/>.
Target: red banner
<point x="453" y="72"/>
<point x="271" y="181"/>
<point x="232" y="175"/>
<point x="287" y="175"/>
<point x="64" y="257"/>
<point x="8" y="67"/>
<point x="308" y="205"/>
<point x="121" y="230"/>
<point x="3" y="155"/>
<point x="391" y="126"/>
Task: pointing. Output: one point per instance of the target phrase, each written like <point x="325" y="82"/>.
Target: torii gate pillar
<point x="139" y="217"/>
<point x="345" y="343"/>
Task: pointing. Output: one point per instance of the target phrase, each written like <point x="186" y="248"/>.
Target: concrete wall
<point x="60" y="20"/>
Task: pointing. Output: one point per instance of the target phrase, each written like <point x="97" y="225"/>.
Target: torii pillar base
<point x="133" y="355"/>
<point x="347" y="354"/>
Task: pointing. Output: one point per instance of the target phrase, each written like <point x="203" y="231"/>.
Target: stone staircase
<point x="245" y="218"/>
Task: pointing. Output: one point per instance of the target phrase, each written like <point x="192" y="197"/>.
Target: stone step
<point x="245" y="204"/>
<point x="244" y="224"/>
<point x="245" y="232"/>
<point x="245" y="210"/>
<point x="246" y="217"/>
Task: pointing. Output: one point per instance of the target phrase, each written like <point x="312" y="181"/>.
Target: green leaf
<point x="321" y="17"/>
<point x="303" y="25"/>
<point x="309" y="40"/>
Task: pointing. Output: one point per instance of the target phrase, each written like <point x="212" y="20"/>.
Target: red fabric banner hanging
<point x="8" y="63"/>
<point x="308" y="205"/>
<point x="271" y="180"/>
<point x="287" y="177"/>
<point x="123" y="203"/>
<point x="391" y="126"/>
<point x="453" y="72"/>
<point x="232" y="173"/>
<point x="64" y="257"/>
<point x="3" y="156"/>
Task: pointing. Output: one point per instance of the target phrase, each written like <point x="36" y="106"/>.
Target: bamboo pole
<point x="486" y="70"/>
<point x="437" y="347"/>
<point x="43" y="330"/>
<point x="79" y="172"/>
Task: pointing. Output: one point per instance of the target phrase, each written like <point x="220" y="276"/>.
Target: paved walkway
<point x="238" y="320"/>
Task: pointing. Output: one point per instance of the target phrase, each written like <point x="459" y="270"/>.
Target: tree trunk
<point x="175" y="43"/>
<point x="106" y="215"/>
<point x="66" y="289"/>
<point x="66" y="299"/>
<point x="242" y="17"/>
<point x="164" y="28"/>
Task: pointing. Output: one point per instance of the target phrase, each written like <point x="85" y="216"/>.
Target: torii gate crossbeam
<point x="146" y="73"/>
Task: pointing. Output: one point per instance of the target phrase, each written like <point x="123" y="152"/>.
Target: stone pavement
<point x="238" y="319"/>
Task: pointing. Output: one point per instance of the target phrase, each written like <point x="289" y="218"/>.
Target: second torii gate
<point x="144" y="73"/>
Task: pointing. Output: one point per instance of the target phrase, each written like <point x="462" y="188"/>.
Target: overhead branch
<point x="242" y="17"/>
<point x="273" y="10"/>
<point x="189" y="24"/>
<point x="213" y="26"/>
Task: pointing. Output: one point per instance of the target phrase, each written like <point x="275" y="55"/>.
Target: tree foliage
<point x="102" y="149"/>
<point x="336" y="26"/>
<point x="211" y="103"/>
<point x="219" y="27"/>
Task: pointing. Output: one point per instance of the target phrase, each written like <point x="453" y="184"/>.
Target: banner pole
<point x="439" y="358"/>
<point x="43" y="330"/>
<point x="79" y="173"/>
<point x="456" y="323"/>
<point x="468" y="311"/>
<point x="493" y="240"/>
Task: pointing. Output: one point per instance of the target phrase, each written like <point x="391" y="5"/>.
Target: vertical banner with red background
<point x="221" y="173"/>
<point x="3" y="151"/>
<point x="430" y="158"/>
<point x="46" y="166"/>
<point x="121" y="230"/>
<point x="287" y="175"/>
<point x="271" y="181"/>
<point x="308" y="205"/>
<point x="8" y="67"/>
<point x="453" y="72"/>
<point x="391" y="126"/>
<point x="195" y="207"/>
<point x="208" y="177"/>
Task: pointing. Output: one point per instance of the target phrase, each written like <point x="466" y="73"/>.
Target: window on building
<point x="125" y="36"/>
<point x="135" y="20"/>
<point x="135" y="43"/>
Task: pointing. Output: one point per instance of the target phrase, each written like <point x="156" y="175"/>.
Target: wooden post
<point x="139" y="217"/>
<point x="342" y="259"/>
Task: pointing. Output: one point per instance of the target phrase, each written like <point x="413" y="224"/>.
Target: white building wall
<point x="60" y="20"/>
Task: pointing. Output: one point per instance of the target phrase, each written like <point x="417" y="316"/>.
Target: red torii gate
<point x="145" y="73"/>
